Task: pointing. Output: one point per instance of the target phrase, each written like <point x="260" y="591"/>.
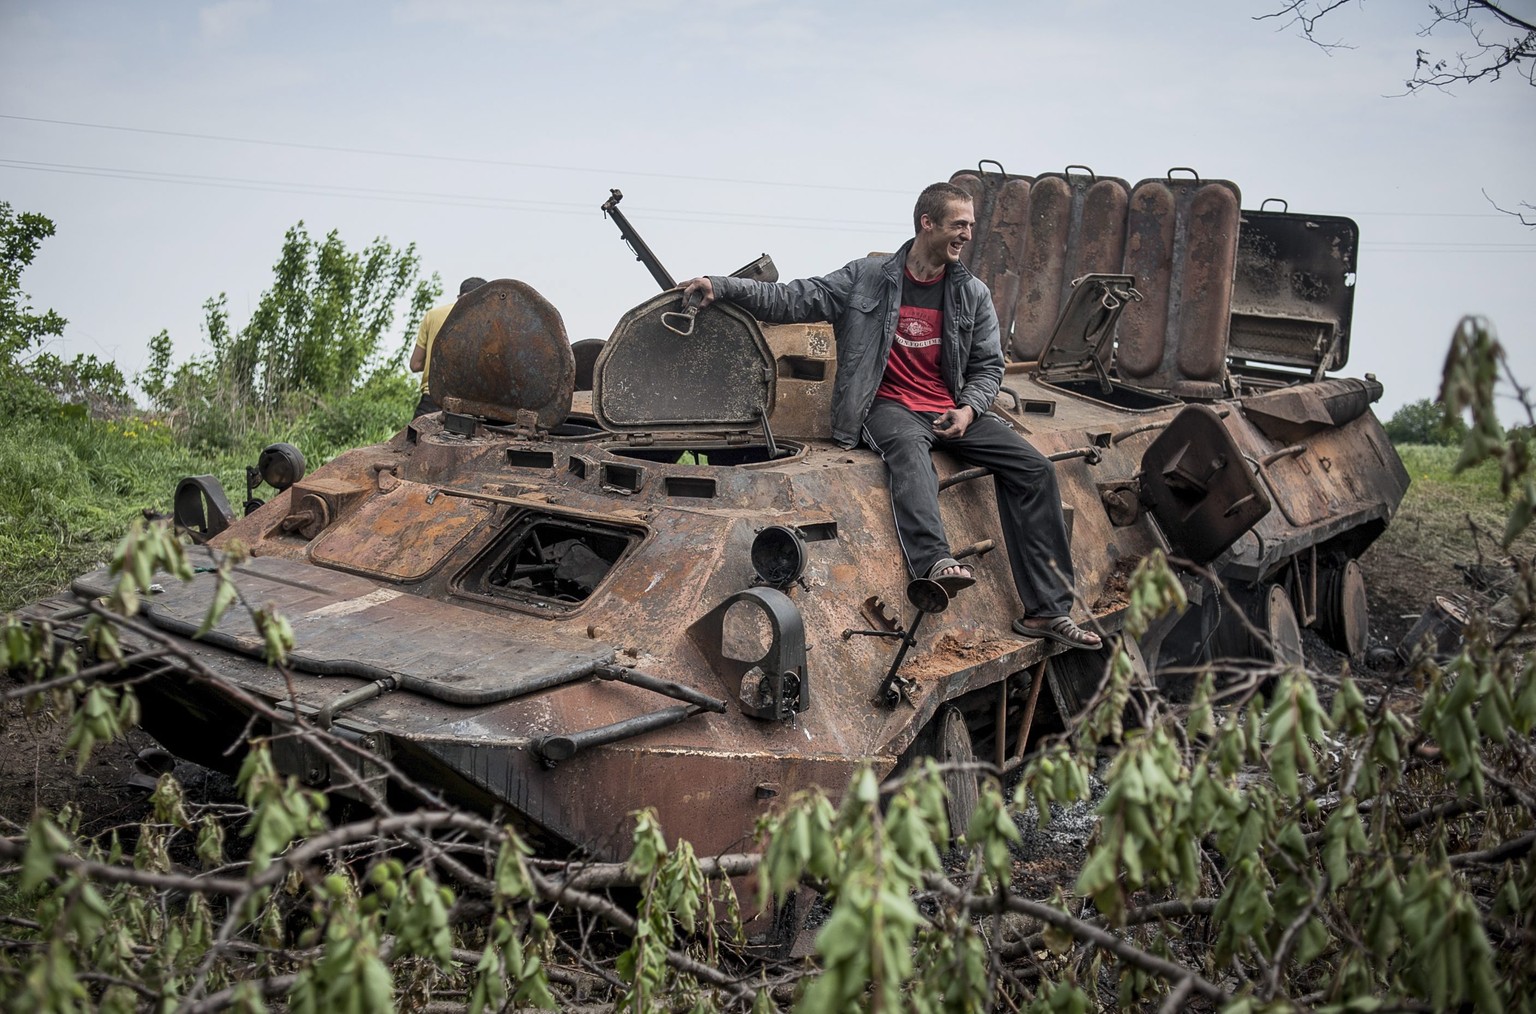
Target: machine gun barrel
<point x="642" y="252"/>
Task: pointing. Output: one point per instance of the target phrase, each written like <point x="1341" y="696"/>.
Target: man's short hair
<point x="470" y="285"/>
<point x="933" y="201"/>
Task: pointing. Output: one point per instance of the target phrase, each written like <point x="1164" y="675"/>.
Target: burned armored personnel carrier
<point x="640" y="573"/>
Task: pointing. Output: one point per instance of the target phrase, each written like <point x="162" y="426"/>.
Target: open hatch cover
<point x="719" y="377"/>
<point x="1078" y="347"/>
<point x="502" y="350"/>
<point x="1293" y="293"/>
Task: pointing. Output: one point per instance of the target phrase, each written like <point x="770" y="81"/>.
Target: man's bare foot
<point x="951" y="575"/>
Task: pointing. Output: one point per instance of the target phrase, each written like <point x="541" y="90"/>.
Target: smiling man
<point x="919" y="360"/>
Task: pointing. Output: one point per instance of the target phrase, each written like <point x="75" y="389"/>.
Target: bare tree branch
<point x="1088" y="933"/>
<point x="1306" y="14"/>
<point x="1515" y="212"/>
<point x="1509" y="47"/>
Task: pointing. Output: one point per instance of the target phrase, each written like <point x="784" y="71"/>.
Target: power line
<point x="1437" y="245"/>
<point x="437" y="199"/>
<point x="1426" y="214"/>
<point x="692" y="216"/>
<point x="466" y="160"/>
<point x="426" y="156"/>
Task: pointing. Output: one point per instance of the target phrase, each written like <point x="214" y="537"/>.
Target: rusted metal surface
<point x="585" y="352"/>
<point x="202" y="508"/>
<point x="1198" y="485"/>
<point x="952" y="748"/>
<point x="1076" y="226"/>
<point x="1283" y="640"/>
<point x="720" y="375"/>
<point x="999" y="256"/>
<point x="1293" y="291"/>
<point x="1078" y="346"/>
<point x="347" y="626"/>
<point x="1296" y="413"/>
<point x="1337" y="481"/>
<point x="1182" y="243"/>
<point x="805" y="365"/>
<point x="401" y="535"/>
<point x="503" y="350"/>
<point x="1035" y="236"/>
<point x="464" y="597"/>
<point x="1344" y="613"/>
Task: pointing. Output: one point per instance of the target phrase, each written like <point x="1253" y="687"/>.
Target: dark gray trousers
<point x="1028" y="502"/>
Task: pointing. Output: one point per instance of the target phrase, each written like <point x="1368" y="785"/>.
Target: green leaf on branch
<point x="281" y="812"/>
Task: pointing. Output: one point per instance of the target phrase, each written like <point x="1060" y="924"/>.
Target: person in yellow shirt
<point x="421" y="355"/>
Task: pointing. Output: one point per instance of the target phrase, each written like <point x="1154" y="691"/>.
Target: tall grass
<point x="310" y="367"/>
<point x="1438" y="487"/>
<point x="70" y="485"/>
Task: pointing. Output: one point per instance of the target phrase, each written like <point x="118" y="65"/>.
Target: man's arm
<point x="803" y="301"/>
<point x="418" y="358"/>
<point x="984" y="367"/>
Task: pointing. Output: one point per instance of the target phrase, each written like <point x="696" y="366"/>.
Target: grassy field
<point x="1444" y="520"/>
<point x="71" y="485"/>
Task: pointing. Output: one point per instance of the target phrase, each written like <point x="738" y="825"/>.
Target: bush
<point x="368" y="415"/>
<point x="1425" y="422"/>
<point x="316" y="338"/>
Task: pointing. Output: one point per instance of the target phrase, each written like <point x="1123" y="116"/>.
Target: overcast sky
<point x="174" y="143"/>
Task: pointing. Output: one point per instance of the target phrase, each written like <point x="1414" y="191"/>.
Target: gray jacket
<point x="862" y="300"/>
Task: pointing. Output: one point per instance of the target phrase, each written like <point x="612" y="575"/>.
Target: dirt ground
<point x="35" y="774"/>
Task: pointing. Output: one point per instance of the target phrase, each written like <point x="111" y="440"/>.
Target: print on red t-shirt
<point x="912" y="375"/>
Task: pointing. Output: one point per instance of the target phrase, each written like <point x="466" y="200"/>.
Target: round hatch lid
<point x="648" y="376"/>
<point x="503" y="350"/>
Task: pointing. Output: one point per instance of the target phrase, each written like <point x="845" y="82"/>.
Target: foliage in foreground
<point x="1253" y="851"/>
<point x="1313" y="846"/>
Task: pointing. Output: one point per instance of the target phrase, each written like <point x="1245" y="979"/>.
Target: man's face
<point x="946" y="239"/>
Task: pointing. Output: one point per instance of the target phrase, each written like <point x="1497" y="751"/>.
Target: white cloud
<point x="226" y="20"/>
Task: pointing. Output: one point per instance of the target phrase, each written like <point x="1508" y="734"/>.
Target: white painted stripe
<point x="347" y="607"/>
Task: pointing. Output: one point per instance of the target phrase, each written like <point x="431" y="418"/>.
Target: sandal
<point x="1062" y="630"/>
<point x="951" y="583"/>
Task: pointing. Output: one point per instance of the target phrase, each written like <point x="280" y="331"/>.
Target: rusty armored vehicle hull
<point x="641" y="573"/>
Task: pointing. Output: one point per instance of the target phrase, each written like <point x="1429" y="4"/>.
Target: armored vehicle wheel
<point x="952" y="745"/>
<point x="1344" y="615"/>
<point x="1280" y="626"/>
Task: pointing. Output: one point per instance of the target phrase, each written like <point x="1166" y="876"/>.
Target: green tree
<point x="33" y="381"/>
<point x="21" y="328"/>
<point x="317" y="335"/>
<point x="1425" y="422"/>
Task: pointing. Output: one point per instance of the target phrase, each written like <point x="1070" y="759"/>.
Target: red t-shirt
<point x="912" y="375"/>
